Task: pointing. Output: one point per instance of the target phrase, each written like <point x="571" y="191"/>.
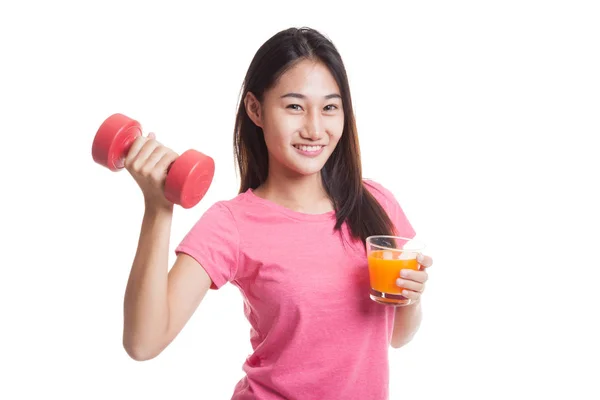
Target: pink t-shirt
<point x="315" y="332"/>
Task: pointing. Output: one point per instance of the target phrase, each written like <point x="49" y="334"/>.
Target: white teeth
<point x="308" y="148"/>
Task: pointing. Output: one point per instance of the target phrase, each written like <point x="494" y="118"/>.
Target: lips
<point x="309" y="150"/>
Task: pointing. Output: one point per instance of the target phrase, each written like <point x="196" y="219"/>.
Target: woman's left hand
<point x="413" y="282"/>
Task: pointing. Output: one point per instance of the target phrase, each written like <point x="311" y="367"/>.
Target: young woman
<point x="292" y="240"/>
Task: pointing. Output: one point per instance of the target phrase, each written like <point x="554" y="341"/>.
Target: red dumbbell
<point x="188" y="177"/>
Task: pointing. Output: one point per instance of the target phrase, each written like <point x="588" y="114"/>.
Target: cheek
<point x="335" y="129"/>
<point x="276" y="143"/>
<point x="278" y="133"/>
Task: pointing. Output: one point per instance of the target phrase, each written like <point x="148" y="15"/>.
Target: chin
<point x="306" y="169"/>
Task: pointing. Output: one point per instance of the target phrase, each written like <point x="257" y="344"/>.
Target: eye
<point x="295" y="107"/>
<point x="331" y="107"/>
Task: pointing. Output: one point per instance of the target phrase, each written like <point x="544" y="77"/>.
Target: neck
<point x="303" y="194"/>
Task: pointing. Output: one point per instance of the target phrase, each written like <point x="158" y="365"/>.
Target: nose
<point x="313" y="129"/>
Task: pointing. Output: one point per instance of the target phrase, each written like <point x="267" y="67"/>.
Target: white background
<point x="479" y="116"/>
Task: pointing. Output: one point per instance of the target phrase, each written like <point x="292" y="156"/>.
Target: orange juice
<point x="384" y="269"/>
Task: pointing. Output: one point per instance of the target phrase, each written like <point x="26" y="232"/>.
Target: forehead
<point x="307" y="77"/>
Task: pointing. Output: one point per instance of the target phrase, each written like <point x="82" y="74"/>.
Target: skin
<point x="158" y="301"/>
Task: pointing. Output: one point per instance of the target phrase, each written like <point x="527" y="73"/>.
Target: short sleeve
<point x="214" y="242"/>
<point x="391" y="205"/>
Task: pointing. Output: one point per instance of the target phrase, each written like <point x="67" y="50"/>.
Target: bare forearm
<point x="406" y="323"/>
<point x="146" y="310"/>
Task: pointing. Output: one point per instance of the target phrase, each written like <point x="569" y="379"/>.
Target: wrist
<point x="409" y="307"/>
<point x="158" y="210"/>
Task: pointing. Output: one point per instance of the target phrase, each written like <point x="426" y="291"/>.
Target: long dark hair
<point x="342" y="173"/>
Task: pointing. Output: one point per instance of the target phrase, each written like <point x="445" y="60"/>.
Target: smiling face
<point x="302" y="119"/>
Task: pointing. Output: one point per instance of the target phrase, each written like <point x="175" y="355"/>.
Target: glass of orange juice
<point x="386" y="256"/>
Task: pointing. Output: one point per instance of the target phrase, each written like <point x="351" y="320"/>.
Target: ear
<point x="253" y="109"/>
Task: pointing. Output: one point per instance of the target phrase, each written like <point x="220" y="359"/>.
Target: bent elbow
<point x="397" y="343"/>
<point x="140" y="353"/>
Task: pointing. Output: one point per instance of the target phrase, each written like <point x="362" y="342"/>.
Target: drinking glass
<point x="387" y="256"/>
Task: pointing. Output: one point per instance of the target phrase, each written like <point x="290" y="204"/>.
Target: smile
<point x="309" y="150"/>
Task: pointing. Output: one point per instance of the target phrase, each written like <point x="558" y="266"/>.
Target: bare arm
<point x="146" y="311"/>
<point x="407" y="320"/>
<point x="159" y="303"/>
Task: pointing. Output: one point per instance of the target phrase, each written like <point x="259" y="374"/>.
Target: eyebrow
<point x="301" y="96"/>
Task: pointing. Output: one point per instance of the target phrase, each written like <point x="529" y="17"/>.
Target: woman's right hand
<point x="148" y="162"/>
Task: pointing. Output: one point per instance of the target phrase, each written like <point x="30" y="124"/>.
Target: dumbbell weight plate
<point x="113" y="140"/>
<point x="189" y="178"/>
